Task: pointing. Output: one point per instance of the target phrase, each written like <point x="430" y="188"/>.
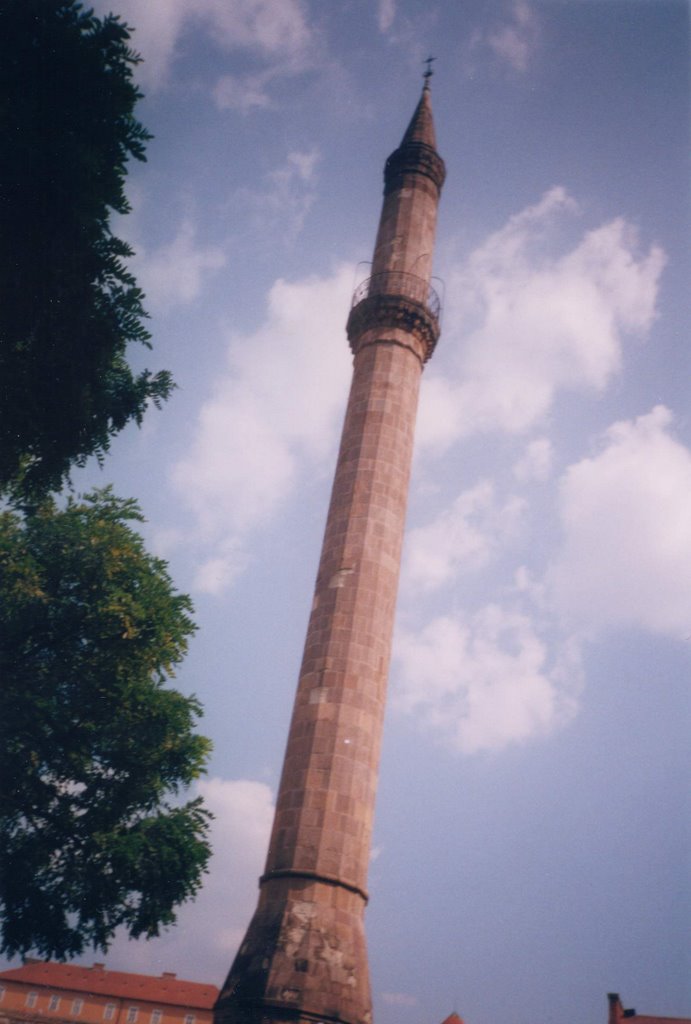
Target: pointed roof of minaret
<point x="421" y="127"/>
<point x="417" y="153"/>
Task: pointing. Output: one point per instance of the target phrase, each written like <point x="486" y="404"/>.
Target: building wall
<point x="33" y="1003"/>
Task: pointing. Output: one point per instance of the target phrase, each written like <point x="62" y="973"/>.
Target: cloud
<point x="157" y="26"/>
<point x="534" y="310"/>
<point x="536" y="461"/>
<point x="625" y="515"/>
<point x="266" y="26"/>
<point x="219" y="572"/>
<point x="510" y="41"/>
<point x="482" y="682"/>
<point x="243" y="93"/>
<point x="464" y="536"/>
<point x="529" y="321"/>
<point x="516" y="40"/>
<point x="244" y="811"/>
<point x="276" y="30"/>
<point x="280" y="207"/>
<point x="407" y="30"/>
<point x="174" y="274"/>
<point x="273" y="414"/>
<point x="219" y="915"/>
<point x="386" y="14"/>
<point x="303" y="164"/>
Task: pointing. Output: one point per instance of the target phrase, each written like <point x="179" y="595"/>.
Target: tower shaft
<point x="304" y="956"/>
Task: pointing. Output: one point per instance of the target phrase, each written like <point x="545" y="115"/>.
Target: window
<point x="54" y="1002"/>
<point x="77" y="1005"/>
<point x="132" y="1015"/>
<point x="109" y="1011"/>
<point x="189" y="1018"/>
<point x="31" y="998"/>
<point x="2" y="993"/>
<point x="156" y="1016"/>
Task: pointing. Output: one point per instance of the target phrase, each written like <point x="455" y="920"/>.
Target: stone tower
<point x="304" y="956"/>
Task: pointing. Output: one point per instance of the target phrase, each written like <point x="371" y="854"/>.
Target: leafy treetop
<point x="94" y="749"/>
<point x="68" y="305"/>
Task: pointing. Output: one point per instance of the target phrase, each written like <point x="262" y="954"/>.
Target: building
<point x="42" y="991"/>
<point x="618" y="1015"/>
<point x="304" y="956"/>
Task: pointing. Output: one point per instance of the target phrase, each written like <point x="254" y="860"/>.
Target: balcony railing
<point x="397" y="282"/>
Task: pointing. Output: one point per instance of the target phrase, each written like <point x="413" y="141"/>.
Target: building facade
<point x="39" y="992"/>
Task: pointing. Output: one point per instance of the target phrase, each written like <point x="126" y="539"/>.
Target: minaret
<point x="304" y="956"/>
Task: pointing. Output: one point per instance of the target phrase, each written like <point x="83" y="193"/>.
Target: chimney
<point x="616" y="1010"/>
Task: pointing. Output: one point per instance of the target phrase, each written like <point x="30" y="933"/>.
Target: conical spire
<point x="417" y="153"/>
<point x="421" y="127"/>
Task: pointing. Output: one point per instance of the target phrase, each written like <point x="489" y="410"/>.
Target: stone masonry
<point x="304" y="955"/>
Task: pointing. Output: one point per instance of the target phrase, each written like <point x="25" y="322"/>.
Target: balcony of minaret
<point x="399" y="301"/>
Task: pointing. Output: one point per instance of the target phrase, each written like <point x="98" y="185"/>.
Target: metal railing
<point x="398" y="282"/>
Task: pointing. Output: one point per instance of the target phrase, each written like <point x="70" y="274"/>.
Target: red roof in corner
<point x="646" y="1018"/>
<point x="453" y="1018"/>
<point x="97" y="980"/>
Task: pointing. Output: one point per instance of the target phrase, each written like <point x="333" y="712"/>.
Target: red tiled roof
<point x="97" y="980"/>
<point x="645" y="1018"/>
<point x="453" y="1018"/>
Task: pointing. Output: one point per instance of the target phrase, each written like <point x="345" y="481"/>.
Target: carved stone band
<point x="393" y="311"/>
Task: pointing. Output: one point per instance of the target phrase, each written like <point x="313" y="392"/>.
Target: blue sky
<point x="532" y="835"/>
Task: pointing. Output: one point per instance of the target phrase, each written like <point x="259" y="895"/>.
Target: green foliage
<point x="94" y="749"/>
<point x="68" y="305"/>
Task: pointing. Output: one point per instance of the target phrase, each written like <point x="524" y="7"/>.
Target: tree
<point x="94" y="749"/>
<point x="68" y="305"/>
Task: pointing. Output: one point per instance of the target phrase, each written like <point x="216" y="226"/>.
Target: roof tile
<point x="97" y="980"/>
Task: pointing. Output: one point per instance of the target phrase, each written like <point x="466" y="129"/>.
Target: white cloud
<point x="536" y="461"/>
<point x="174" y="274"/>
<point x="529" y="322"/>
<point x="276" y="30"/>
<point x="273" y="413"/>
<point x="267" y="26"/>
<point x="408" y="29"/>
<point x="625" y="513"/>
<point x="243" y="93"/>
<point x="485" y="681"/>
<point x="386" y="14"/>
<point x="465" y="536"/>
<point x="529" y="315"/>
<point x="157" y="26"/>
<point x="219" y="572"/>
<point x="515" y="41"/>
<point x="243" y="814"/>
<point x="534" y="589"/>
<point x="280" y="207"/>
<point x="302" y="163"/>
<point x="512" y="40"/>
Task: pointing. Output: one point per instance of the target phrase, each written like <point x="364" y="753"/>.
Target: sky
<point x="532" y="840"/>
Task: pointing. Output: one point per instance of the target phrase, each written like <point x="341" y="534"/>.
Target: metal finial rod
<point x="427" y="74"/>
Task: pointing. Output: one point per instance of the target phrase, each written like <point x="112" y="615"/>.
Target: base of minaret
<point x="303" y="959"/>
